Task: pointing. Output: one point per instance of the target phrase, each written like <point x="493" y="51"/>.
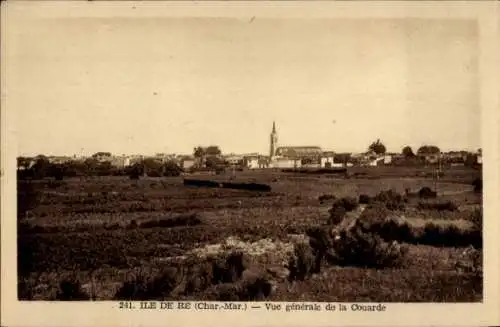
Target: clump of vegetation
<point x="142" y="287"/>
<point x="340" y="208"/>
<point x="71" y="290"/>
<point x="254" y="288"/>
<point x="427" y="193"/>
<point x="229" y="269"/>
<point x="364" y="199"/>
<point x="361" y="248"/>
<point x="326" y="197"/>
<point x="477" y="220"/>
<point x="438" y="205"/>
<point x="391" y="199"/>
<point x="184" y="220"/>
<point x="221" y="269"/>
<point x="478" y="185"/>
<point x="303" y="263"/>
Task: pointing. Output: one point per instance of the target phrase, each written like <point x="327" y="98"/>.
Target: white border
<point x="15" y="313"/>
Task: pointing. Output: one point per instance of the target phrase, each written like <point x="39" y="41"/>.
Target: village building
<point x="293" y="156"/>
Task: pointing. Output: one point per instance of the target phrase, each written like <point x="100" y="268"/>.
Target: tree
<point x="213" y="150"/>
<point x="41" y="167"/>
<point x="428" y="149"/>
<point x="408" y="152"/>
<point x="23" y="162"/>
<point x="199" y="152"/>
<point x="377" y="147"/>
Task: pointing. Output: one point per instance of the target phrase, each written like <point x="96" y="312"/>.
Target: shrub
<point x="71" y="290"/>
<point x="391" y="199"/>
<point x="254" y="289"/>
<point x="336" y="215"/>
<point x="200" y="276"/>
<point x="228" y="269"/>
<point x="364" y="199"/>
<point x="142" y="287"/>
<point x="320" y="241"/>
<point x="427" y="193"/>
<point x="478" y="185"/>
<point x="302" y="263"/>
<point x="477" y="220"/>
<point x="363" y="249"/>
<point x="340" y="208"/>
<point x="439" y="205"/>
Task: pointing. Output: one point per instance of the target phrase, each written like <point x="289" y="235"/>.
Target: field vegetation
<point x="369" y="234"/>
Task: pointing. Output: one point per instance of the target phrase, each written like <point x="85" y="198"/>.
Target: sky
<point x="131" y="85"/>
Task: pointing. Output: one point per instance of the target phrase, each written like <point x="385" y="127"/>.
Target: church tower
<point x="274" y="141"/>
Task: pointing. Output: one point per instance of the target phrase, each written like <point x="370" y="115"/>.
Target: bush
<point x="302" y="264"/>
<point x="391" y="199"/>
<point x="228" y="269"/>
<point x="71" y="290"/>
<point x="439" y="205"/>
<point x="359" y="248"/>
<point x="364" y="199"/>
<point x="427" y="193"/>
<point x="142" y="287"/>
<point x="477" y="220"/>
<point x="257" y="288"/>
<point x="340" y="208"/>
<point x="478" y="185"/>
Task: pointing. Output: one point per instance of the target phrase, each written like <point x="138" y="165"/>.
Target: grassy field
<point x="102" y="231"/>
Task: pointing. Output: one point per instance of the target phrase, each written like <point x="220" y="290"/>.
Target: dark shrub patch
<point x="147" y="288"/>
<point x="391" y="199"/>
<point x="438" y="205"/>
<point x="302" y="264"/>
<point x="336" y="215"/>
<point x="228" y="269"/>
<point x="478" y="185"/>
<point x="427" y="193"/>
<point x="321" y="243"/>
<point x="200" y="276"/>
<point x="364" y="199"/>
<point x="340" y="208"/>
<point x="254" y="289"/>
<point x="363" y="249"/>
<point x="189" y="220"/>
<point x="71" y="290"/>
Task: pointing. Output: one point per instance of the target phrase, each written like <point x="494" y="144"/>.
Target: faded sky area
<point x="167" y="85"/>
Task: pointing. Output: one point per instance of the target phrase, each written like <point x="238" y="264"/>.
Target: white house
<point x="285" y="163"/>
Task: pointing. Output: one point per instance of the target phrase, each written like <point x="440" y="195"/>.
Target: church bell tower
<point x="274" y="141"/>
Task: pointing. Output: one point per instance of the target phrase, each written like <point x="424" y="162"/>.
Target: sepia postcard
<point x="250" y="163"/>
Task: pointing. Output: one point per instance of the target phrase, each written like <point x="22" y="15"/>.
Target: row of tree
<point x="379" y="148"/>
<point x="43" y="168"/>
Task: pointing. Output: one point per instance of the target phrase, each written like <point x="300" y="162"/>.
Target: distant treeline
<point x="238" y="186"/>
<point x="43" y="169"/>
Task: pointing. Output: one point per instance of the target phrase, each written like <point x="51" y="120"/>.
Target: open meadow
<point x="105" y="238"/>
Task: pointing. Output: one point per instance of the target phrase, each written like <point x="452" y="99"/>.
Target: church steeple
<point x="274" y="141"/>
